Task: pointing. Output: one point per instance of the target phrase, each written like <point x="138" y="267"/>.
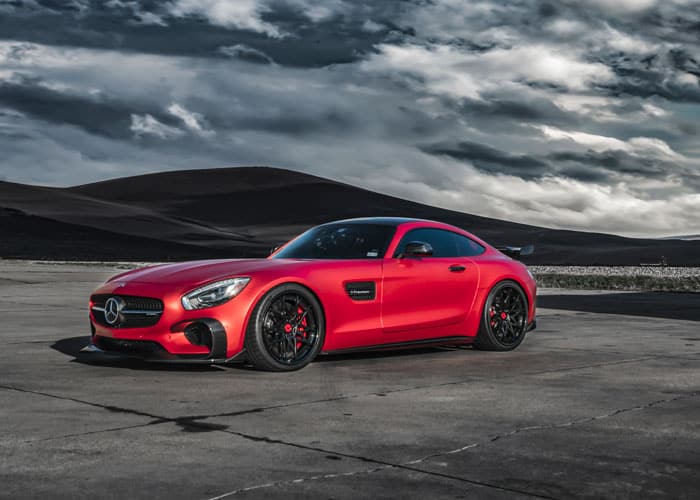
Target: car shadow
<point x="669" y="305"/>
<point x="71" y="347"/>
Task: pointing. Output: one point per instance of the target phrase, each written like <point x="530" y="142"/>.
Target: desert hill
<point x="245" y="211"/>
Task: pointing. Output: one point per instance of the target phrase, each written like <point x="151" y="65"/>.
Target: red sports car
<point x="348" y="285"/>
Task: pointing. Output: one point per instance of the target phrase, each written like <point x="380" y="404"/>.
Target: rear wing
<point x="517" y="252"/>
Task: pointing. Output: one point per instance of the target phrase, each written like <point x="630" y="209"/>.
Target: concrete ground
<point x="593" y="404"/>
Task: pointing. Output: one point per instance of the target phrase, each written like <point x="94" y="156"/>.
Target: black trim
<point x="531" y="326"/>
<point x="137" y="348"/>
<point x="361" y="290"/>
<point x="412" y="343"/>
<point x="95" y="353"/>
<point x="218" y="337"/>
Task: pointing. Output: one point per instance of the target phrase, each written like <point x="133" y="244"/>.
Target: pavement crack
<point x="191" y="420"/>
<point x="89" y="433"/>
<point x="381" y="465"/>
<point x="189" y="423"/>
<point x="111" y="408"/>
<point x="194" y="424"/>
<point x="261" y="409"/>
<point x="591" y="365"/>
<point x="560" y="425"/>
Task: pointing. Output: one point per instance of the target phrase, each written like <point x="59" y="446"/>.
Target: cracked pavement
<point x="591" y="405"/>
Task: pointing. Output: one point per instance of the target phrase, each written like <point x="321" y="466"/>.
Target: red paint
<point x="415" y="298"/>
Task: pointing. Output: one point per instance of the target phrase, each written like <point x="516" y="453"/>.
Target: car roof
<point x="384" y="221"/>
<point x="415" y="223"/>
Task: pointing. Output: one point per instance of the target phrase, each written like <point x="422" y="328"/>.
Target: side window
<point x="467" y="247"/>
<point x="444" y="243"/>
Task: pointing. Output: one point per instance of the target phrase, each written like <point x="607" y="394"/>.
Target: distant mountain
<point x="244" y="211"/>
<point x="687" y="237"/>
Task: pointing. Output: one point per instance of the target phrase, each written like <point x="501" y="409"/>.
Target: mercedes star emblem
<point x="113" y="308"/>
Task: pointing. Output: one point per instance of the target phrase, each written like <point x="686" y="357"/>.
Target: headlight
<point x="214" y="294"/>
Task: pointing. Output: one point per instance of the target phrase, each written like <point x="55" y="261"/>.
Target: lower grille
<point x="139" y="347"/>
<point x="134" y="312"/>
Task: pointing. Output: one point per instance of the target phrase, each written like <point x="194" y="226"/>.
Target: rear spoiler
<point x="517" y="252"/>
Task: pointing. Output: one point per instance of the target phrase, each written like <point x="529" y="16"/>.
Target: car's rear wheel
<point x="504" y="318"/>
<point x="286" y="329"/>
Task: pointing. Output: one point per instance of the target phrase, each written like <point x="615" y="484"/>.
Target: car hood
<point x="195" y="273"/>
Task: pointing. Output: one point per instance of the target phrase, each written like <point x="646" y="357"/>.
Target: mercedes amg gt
<point x="371" y="283"/>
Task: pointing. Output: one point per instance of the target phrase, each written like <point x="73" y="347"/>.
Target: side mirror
<point x="418" y="249"/>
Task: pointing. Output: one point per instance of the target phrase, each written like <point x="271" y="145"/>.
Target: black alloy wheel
<point x="504" y="319"/>
<point x="286" y="329"/>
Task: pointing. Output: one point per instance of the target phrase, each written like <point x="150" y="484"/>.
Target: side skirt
<point x="406" y="345"/>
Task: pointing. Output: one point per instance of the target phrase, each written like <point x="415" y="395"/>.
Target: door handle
<point x="456" y="268"/>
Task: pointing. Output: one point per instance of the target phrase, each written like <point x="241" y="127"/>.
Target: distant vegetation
<point x="669" y="279"/>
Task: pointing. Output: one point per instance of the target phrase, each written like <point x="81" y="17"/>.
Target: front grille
<point x="136" y="312"/>
<point x="136" y="347"/>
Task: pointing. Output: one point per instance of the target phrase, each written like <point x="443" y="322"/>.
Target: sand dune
<point x="244" y="211"/>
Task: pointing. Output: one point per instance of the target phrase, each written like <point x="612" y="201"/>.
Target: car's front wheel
<point x="504" y="318"/>
<point x="286" y="329"/>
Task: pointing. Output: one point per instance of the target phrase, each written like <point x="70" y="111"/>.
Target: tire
<point x="503" y="319"/>
<point x="286" y="330"/>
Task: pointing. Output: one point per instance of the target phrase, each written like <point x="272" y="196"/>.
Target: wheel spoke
<point x="301" y="318"/>
<point x="507" y="315"/>
<point x="510" y="330"/>
<point x="289" y="328"/>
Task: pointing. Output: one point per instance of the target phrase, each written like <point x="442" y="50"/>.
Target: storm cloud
<point x="575" y="114"/>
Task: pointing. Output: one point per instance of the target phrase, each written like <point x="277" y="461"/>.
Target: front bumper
<point x="169" y="333"/>
<point x="206" y="335"/>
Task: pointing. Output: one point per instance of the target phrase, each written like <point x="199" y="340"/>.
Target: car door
<point x="428" y="292"/>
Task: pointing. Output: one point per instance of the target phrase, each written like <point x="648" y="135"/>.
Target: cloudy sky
<point x="580" y="114"/>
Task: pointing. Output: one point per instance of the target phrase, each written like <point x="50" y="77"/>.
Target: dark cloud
<point x="587" y="166"/>
<point x="95" y="114"/>
<point x="490" y="159"/>
<point x="612" y="161"/>
<point x="121" y="26"/>
<point x="498" y="109"/>
<point x="245" y="53"/>
<point x="330" y="122"/>
<point x="655" y="75"/>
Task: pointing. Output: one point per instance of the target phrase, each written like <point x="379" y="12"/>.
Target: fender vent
<point x="361" y="290"/>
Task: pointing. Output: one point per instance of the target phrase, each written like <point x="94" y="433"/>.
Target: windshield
<point x="340" y="241"/>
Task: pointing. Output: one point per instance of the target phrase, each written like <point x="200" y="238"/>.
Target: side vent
<point x="361" y="290"/>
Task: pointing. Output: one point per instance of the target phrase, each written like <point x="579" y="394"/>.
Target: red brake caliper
<point x="492" y="313"/>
